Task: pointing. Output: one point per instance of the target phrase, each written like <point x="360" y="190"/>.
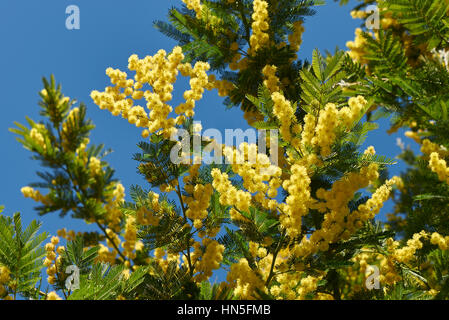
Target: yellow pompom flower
<point x="194" y="5"/>
<point x="53" y="296"/>
<point x="439" y="166"/>
<point x="260" y="25"/>
<point x="295" y="38"/>
<point x="284" y="111"/>
<point x="271" y="80"/>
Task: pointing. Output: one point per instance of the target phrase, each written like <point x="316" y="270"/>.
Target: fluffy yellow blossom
<point x="308" y="131"/>
<point x="29" y="192"/>
<point x="357" y="47"/>
<point x="94" y="166"/>
<point x="159" y="72"/>
<point x="244" y="280"/>
<point x="284" y="111"/>
<point x="429" y="147"/>
<point x="255" y="169"/>
<point x="68" y="235"/>
<point x="224" y="87"/>
<point x="130" y="237"/>
<point x="113" y="240"/>
<point x="350" y="115"/>
<point x="54" y="240"/>
<point x="325" y="129"/>
<point x="413" y="135"/>
<point x="271" y="80"/>
<point x="260" y="25"/>
<point x="338" y="223"/>
<point x="370" y="151"/>
<point x="442" y="242"/>
<point x="37" y="137"/>
<point x="358" y="14"/>
<point x="307" y="285"/>
<point x="4" y="275"/>
<point x="171" y="257"/>
<point x="53" y="296"/>
<point x="295" y="38"/>
<point x="439" y="166"/>
<point x="106" y="256"/>
<point x="229" y="195"/>
<point x="194" y="5"/>
<point x="210" y="260"/>
<point x="199" y="201"/>
<point x="297" y="203"/>
<point x="112" y="206"/>
<point x="407" y="253"/>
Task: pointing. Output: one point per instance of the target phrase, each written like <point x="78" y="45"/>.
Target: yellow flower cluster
<point x="194" y="5"/>
<point x="94" y="166"/>
<point x="68" y="235"/>
<point x="307" y="285"/>
<point x="199" y="201"/>
<point x="295" y="38"/>
<point x="370" y="151"/>
<point x="284" y="111"/>
<point x="413" y="135"/>
<point x="237" y="63"/>
<point x="442" y="242"/>
<point x="53" y="296"/>
<point x="388" y="271"/>
<point x="198" y="82"/>
<point x="271" y="80"/>
<point x="356" y="47"/>
<point x="159" y="72"/>
<point x="113" y="211"/>
<point x="407" y="253"/>
<point x="358" y="14"/>
<point x="356" y="274"/>
<point x="321" y="131"/>
<point x="29" y="192"/>
<point x="429" y="147"/>
<point x="325" y="129"/>
<point x="308" y="131"/>
<point x="69" y="121"/>
<point x="37" y="136"/>
<point x="4" y="279"/>
<point x="229" y="195"/>
<point x="106" y="256"/>
<point x="148" y="217"/>
<point x="224" y="87"/>
<point x="298" y="201"/>
<point x="260" y="24"/>
<point x="338" y="222"/>
<point x="255" y="169"/>
<point x="50" y="261"/>
<point x="244" y="280"/>
<point x="372" y="207"/>
<point x="439" y="166"/>
<point x="130" y="238"/>
<point x="349" y="115"/>
<point x="210" y="260"/>
<point x="171" y="257"/>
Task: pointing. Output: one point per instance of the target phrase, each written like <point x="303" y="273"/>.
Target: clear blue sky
<point x="36" y="43"/>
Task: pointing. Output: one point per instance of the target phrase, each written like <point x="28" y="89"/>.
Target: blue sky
<point x="36" y="43"/>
